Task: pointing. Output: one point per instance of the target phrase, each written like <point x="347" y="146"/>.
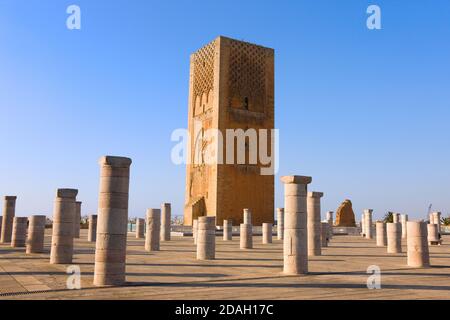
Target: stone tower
<point x="231" y="86"/>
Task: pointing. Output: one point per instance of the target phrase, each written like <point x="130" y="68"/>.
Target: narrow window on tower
<point x="246" y="103"/>
<point x="247" y="155"/>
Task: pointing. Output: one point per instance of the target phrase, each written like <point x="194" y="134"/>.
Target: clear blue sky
<point x="365" y="113"/>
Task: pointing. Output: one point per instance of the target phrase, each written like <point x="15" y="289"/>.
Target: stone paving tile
<point x="174" y="273"/>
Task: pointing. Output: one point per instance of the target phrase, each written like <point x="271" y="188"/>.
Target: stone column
<point x="324" y="231"/>
<point x="295" y="249"/>
<point x="206" y="238"/>
<point x="1" y="220"/>
<point x="330" y="224"/>
<point x="165" y="221"/>
<point x="437" y="221"/>
<point x="394" y="238"/>
<point x="404" y="219"/>
<point x="9" y="211"/>
<point x="381" y="234"/>
<point x="36" y="234"/>
<point x="368" y="223"/>
<point x="153" y="235"/>
<point x="396" y="217"/>
<point x="227" y="230"/>
<point x="246" y="236"/>
<point x="314" y="224"/>
<point x="266" y="233"/>
<point x="195" y="230"/>
<point x="280" y="223"/>
<point x="329" y="217"/>
<point x="363" y="225"/>
<point x="247" y="216"/>
<point x="61" y="251"/>
<point x="92" y="232"/>
<point x="433" y="235"/>
<point x="246" y="231"/>
<point x="140" y="226"/>
<point x="19" y="232"/>
<point x="111" y="244"/>
<point x="77" y="221"/>
<point x="418" y="254"/>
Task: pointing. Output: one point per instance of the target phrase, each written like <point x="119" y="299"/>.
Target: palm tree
<point x="388" y="217"/>
<point x="445" y="221"/>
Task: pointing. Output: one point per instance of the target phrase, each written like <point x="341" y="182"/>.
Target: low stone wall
<point x="351" y="231"/>
<point x="185" y="231"/>
<point x="180" y="231"/>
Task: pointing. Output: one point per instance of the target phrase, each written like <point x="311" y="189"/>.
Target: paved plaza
<point x="174" y="272"/>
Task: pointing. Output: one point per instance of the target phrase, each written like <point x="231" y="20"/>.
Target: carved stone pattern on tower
<point x="203" y="78"/>
<point x="247" y="76"/>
